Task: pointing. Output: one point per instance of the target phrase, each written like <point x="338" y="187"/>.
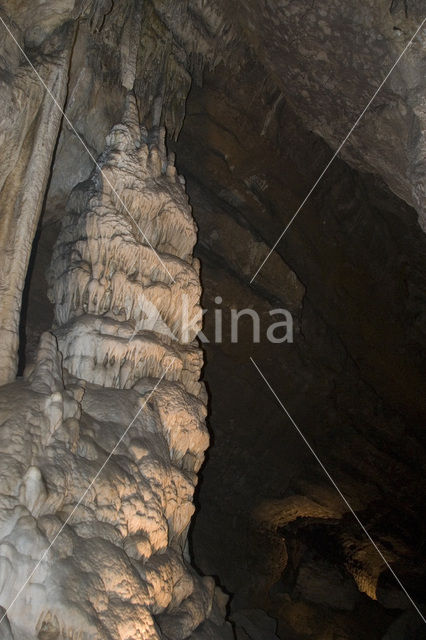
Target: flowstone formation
<point x="125" y="285"/>
<point x="121" y="360"/>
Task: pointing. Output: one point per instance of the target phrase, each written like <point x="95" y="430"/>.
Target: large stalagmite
<point x="125" y="255"/>
<point x="122" y="359"/>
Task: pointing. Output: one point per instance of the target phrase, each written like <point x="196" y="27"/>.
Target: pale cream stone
<point x="117" y="568"/>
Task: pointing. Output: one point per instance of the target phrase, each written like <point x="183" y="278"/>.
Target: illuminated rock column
<point x="119" y="375"/>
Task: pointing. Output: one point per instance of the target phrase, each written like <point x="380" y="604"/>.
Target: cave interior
<point x="315" y="470"/>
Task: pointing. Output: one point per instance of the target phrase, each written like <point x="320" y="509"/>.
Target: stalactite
<point x="27" y="165"/>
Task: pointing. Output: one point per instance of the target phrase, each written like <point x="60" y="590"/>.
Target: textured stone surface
<point x="116" y="570"/>
<point x="91" y="54"/>
<point x="118" y="566"/>
<point x="125" y="286"/>
<point x="351" y="380"/>
<point x="163" y="47"/>
<point x="29" y="129"/>
<point x="328" y="59"/>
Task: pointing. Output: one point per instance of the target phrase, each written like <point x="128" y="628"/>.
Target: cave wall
<point x="352" y="379"/>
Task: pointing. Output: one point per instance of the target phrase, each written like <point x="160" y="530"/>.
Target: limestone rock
<point x="101" y="443"/>
<point x="125" y="286"/>
<point x="29" y="126"/>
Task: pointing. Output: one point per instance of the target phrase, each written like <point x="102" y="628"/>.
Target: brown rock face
<point x="351" y="379"/>
<point x="328" y="61"/>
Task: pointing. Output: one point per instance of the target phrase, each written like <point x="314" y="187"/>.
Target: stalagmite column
<point x="123" y="279"/>
<point x="124" y="380"/>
